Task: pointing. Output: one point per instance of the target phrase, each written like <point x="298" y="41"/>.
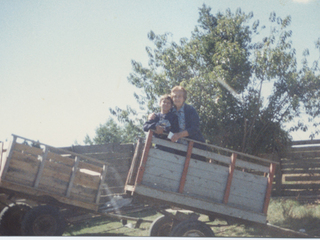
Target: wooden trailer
<point x="228" y="185"/>
<point x="42" y="186"/>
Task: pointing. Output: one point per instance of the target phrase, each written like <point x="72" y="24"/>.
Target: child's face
<point x="165" y="105"/>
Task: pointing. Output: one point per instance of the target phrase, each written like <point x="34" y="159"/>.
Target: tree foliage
<point x="112" y="132"/>
<point x="246" y="87"/>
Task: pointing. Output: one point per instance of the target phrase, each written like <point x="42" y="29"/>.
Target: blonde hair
<point x="179" y="88"/>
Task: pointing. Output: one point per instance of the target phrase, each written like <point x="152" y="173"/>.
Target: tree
<point x="225" y="67"/>
<point x="111" y="132"/>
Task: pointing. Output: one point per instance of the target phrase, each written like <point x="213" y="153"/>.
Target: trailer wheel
<point x="43" y="221"/>
<point x="161" y="226"/>
<point x="192" y="228"/>
<point x="11" y="217"/>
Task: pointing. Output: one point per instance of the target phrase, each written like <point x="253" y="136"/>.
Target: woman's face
<point x="178" y="99"/>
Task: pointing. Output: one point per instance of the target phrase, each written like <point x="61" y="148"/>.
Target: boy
<point x="165" y="121"/>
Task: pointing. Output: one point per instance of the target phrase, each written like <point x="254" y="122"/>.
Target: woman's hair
<point x="179" y="88"/>
<point x="166" y="96"/>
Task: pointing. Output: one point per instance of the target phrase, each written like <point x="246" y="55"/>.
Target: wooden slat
<point x="36" y="192"/>
<point x="28" y="149"/>
<point x="302" y="178"/>
<point x="25" y="162"/>
<point x="87" y="180"/>
<point x="58" y="158"/>
<point x="252" y="166"/>
<point x="177" y="146"/>
<point x="57" y="170"/>
<point x="211" y="155"/>
<point x="190" y="202"/>
<point x="90" y="167"/>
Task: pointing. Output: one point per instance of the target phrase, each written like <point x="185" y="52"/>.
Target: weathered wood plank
<point x="252" y="166"/>
<point x="90" y="167"/>
<point x="64" y="176"/>
<point x="58" y="158"/>
<point x="30" y="167"/>
<point x="211" y="155"/>
<point x="111" y="147"/>
<point x="87" y="180"/>
<point x="19" y="158"/>
<point x="177" y="146"/>
<point x="195" y="203"/>
<point x="38" y="192"/>
<point x="160" y="182"/>
<point x="302" y="178"/>
<point x="28" y="149"/>
<point x="57" y="168"/>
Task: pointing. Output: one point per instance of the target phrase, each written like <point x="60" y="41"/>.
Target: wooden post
<point x="131" y="177"/>
<point x="11" y="147"/>
<point x="230" y="176"/>
<point x="102" y="178"/>
<point x="73" y="174"/>
<point x="41" y="167"/>
<point x="144" y="157"/>
<point x="269" y="188"/>
<point x="1" y="152"/>
<point x="185" y="168"/>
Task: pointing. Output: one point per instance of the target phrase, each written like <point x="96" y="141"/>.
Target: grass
<point x="284" y="213"/>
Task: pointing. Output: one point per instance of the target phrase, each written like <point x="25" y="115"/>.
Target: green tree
<point x="112" y="132"/>
<point x="225" y="67"/>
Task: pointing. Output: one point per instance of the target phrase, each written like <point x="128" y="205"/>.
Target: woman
<point x="189" y="122"/>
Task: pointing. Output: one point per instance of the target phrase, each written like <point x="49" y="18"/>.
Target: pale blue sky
<point x="64" y="63"/>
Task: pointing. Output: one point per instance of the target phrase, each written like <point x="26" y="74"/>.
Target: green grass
<point x="284" y="213"/>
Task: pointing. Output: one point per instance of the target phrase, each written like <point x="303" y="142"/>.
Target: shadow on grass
<point x="307" y="224"/>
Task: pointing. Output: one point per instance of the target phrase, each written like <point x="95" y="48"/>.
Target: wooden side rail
<point x="230" y="177"/>
<point x="185" y="168"/>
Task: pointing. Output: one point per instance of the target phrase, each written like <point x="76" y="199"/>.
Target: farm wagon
<point x="56" y="183"/>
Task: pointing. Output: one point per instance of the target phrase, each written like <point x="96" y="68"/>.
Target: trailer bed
<point x="228" y="185"/>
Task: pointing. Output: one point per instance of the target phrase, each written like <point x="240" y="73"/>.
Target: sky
<point x="63" y="64"/>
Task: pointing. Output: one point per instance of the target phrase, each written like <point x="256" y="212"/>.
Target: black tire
<point x="11" y="217"/>
<point x="161" y="226"/>
<point x="192" y="228"/>
<point x="43" y="221"/>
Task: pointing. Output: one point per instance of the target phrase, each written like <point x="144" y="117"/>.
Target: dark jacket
<point x="192" y="121"/>
<point x="170" y="117"/>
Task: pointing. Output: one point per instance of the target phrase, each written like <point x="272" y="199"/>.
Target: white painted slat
<point x="169" y="144"/>
<point x="205" y="189"/>
<point x="161" y="183"/>
<point x="208" y="170"/>
<point x="192" y="202"/>
<point x="255" y="182"/>
<point x="253" y="166"/>
<point x="211" y="155"/>
<point x="163" y="169"/>
<point x="165" y="156"/>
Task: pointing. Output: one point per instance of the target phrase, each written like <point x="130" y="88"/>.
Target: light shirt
<point x="182" y="122"/>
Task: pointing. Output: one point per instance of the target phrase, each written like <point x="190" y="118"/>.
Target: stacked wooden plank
<point x="301" y="169"/>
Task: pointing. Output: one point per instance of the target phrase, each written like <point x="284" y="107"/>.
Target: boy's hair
<point x="179" y="88"/>
<point x="166" y="96"/>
